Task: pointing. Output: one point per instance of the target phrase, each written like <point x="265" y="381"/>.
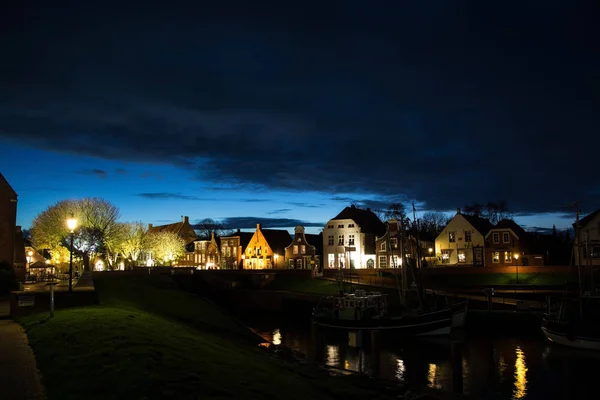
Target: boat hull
<point x="430" y="324"/>
<point x="459" y="314"/>
<point x="571" y="336"/>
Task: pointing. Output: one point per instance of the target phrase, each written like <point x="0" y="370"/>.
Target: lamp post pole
<point x="517" y="266"/>
<point x="71" y="265"/>
<point x="71" y="224"/>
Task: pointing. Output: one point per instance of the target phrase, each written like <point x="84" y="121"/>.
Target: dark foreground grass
<point x="133" y="347"/>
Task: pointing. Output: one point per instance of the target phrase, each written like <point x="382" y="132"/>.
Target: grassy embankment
<point x="147" y="340"/>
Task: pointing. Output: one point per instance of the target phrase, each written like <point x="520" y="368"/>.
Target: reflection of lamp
<point x="71" y="224"/>
<point x="517" y="266"/>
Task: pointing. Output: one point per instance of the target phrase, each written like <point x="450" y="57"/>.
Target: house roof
<point x="278" y="239"/>
<point x="366" y="219"/>
<point x="5" y="182"/>
<point x="315" y="240"/>
<point x="482" y="225"/>
<point x="175" y="228"/>
<point x="587" y="219"/>
<point x="512" y="225"/>
<point x="245" y="238"/>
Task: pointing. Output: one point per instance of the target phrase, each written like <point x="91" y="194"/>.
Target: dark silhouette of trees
<point x="493" y="211"/>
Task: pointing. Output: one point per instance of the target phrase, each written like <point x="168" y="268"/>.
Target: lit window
<point x="507" y="257"/>
<point x="295" y="249"/>
<point x="496" y="257"/>
<point x="303" y="249"/>
<point x="382" y="246"/>
<point x="395" y="261"/>
<point x="496" y="238"/>
<point x="330" y="238"/>
<point x="394" y="243"/>
<point x="350" y="240"/>
<point x="462" y="256"/>
<point x="445" y="256"/>
<point x="451" y="237"/>
<point x="505" y="237"/>
<point x="382" y="262"/>
<point x="340" y="240"/>
<point x="468" y="236"/>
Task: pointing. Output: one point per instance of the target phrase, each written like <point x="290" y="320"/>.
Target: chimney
<point x="149" y="226"/>
<point x="352" y="206"/>
<point x="18" y="227"/>
<point x="258" y="227"/>
<point x="238" y="231"/>
<point x="458" y="211"/>
<point x="186" y="219"/>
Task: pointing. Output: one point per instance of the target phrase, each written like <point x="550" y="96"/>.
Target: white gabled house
<point x="462" y="241"/>
<point x="349" y="239"/>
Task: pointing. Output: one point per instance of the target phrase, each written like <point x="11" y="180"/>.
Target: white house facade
<point x="349" y="239"/>
<point x="462" y="241"/>
<point x="587" y="240"/>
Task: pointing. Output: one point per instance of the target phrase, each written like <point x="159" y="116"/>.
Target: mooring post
<point x="375" y="351"/>
<point x="457" y="370"/>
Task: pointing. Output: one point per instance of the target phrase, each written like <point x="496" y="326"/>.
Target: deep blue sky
<point x="295" y="109"/>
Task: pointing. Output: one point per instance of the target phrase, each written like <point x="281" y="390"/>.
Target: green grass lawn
<point x="462" y="280"/>
<point x="147" y="341"/>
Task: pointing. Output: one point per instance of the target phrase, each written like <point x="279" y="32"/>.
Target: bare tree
<point x="208" y="226"/>
<point x="433" y="222"/>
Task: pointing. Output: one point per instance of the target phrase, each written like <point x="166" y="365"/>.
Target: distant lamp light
<point x="430" y="250"/>
<point x="47" y="261"/>
<point x="516" y="256"/>
<point x="29" y="257"/>
<point x="71" y="224"/>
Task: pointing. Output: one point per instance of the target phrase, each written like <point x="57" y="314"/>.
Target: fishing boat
<point x="575" y="324"/>
<point x="368" y="311"/>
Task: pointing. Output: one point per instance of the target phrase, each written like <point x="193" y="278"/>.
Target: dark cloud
<point x="305" y="205"/>
<point x="165" y="195"/>
<point x="446" y="104"/>
<point x="250" y="223"/>
<point x="279" y="211"/>
<point x="95" y="172"/>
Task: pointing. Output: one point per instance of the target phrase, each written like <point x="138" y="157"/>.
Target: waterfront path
<point x="19" y="376"/>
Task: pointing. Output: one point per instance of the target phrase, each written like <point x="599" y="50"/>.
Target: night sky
<point x="288" y="111"/>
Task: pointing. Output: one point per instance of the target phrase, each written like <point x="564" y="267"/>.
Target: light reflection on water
<point x="520" y="375"/>
<point x="508" y="367"/>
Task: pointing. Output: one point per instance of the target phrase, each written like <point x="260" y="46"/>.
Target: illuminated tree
<point x="134" y="238"/>
<point x="164" y="247"/>
<point x="96" y="220"/>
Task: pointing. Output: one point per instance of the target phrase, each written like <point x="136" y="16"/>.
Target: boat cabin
<point x="361" y="305"/>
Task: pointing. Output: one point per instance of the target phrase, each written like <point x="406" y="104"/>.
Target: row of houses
<point x="357" y="238"/>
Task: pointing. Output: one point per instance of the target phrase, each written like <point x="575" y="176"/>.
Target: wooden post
<point x="457" y="371"/>
<point x="375" y="351"/>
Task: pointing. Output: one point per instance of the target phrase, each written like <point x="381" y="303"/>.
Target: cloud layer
<point x="440" y="104"/>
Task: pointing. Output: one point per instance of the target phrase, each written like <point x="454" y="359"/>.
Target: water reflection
<point x="400" y="369"/>
<point x="433" y="377"/>
<point x="518" y="367"/>
<point x="520" y="375"/>
<point x="276" y="337"/>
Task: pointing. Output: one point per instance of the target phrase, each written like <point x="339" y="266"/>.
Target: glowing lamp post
<point x="71" y="224"/>
<point x="276" y="256"/>
<point x="517" y="266"/>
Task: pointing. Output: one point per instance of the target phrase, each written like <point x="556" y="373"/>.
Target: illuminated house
<point x="349" y="239"/>
<point x="9" y="251"/>
<point x="266" y="249"/>
<point x="184" y="230"/>
<point x="462" y="241"/>
<point x="232" y="249"/>
<point x="207" y="253"/>
<point x="587" y="240"/>
<point x="388" y="247"/>
<point x="507" y="244"/>
<point x="305" y="250"/>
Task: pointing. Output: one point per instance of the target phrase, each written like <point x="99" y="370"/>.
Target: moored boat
<point x="575" y="324"/>
<point x="368" y="311"/>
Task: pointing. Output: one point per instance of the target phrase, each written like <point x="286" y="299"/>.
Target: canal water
<point x="481" y="361"/>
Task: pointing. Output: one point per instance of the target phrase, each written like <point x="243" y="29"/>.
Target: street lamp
<point x="71" y="224"/>
<point x="517" y="266"/>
